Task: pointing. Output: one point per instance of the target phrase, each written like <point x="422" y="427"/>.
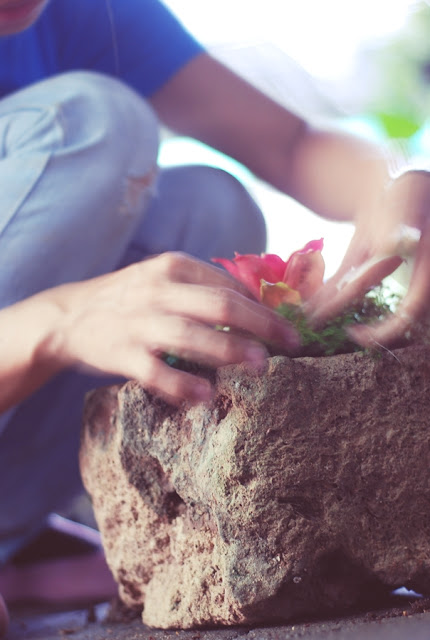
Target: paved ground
<point x="392" y="624"/>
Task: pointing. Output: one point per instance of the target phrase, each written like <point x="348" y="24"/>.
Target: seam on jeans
<point x="45" y="143"/>
<point x="10" y="212"/>
<point x="33" y="161"/>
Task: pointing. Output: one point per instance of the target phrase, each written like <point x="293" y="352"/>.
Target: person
<point x="105" y="258"/>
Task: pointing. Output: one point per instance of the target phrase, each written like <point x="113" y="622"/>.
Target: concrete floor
<point x="390" y="624"/>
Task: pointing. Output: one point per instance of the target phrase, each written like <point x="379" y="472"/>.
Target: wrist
<point x="28" y="347"/>
<point x="40" y="336"/>
<point x="49" y="330"/>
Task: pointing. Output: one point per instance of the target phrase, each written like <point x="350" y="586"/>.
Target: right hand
<point x="121" y="323"/>
<point x="375" y="252"/>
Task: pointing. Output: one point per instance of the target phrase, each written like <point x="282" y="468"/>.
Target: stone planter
<point x="297" y="491"/>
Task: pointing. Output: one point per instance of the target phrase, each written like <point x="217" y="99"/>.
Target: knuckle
<point x="183" y="332"/>
<point x="172" y="263"/>
<point x="132" y="274"/>
<point x="223" y="305"/>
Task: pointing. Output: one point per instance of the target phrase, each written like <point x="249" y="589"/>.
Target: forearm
<point x="27" y="359"/>
<point x="330" y="172"/>
<point x="335" y="174"/>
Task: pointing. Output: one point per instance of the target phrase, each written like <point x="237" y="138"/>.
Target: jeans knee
<point x="83" y="145"/>
<point x="103" y="109"/>
<point x="203" y="211"/>
<point x="81" y="112"/>
<point x="238" y="216"/>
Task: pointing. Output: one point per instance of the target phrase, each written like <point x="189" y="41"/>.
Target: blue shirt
<point x="138" y="41"/>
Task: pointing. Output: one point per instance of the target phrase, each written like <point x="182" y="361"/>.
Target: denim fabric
<point x="80" y="196"/>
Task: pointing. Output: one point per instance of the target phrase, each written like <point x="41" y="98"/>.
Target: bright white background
<point x="305" y="54"/>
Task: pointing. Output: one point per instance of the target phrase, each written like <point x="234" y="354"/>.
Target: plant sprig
<point x="332" y="337"/>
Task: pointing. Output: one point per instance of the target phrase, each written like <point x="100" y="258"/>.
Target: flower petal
<point x="251" y="268"/>
<point x="305" y="269"/>
<point x="229" y="265"/>
<point x="274" y="267"/>
<point x="273" y="295"/>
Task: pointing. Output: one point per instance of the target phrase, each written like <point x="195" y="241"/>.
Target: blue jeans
<point x="80" y="196"/>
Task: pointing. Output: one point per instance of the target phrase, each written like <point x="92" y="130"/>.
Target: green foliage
<point x="397" y="125"/>
<point x="401" y="70"/>
<point x="332" y="337"/>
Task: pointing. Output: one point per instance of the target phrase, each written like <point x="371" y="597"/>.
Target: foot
<point x="68" y="582"/>
<point x="4" y="618"/>
<point x="63" y="566"/>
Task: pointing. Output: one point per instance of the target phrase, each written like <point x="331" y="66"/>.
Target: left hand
<point x="394" y="228"/>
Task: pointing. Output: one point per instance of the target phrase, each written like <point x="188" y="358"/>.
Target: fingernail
<point x="202" y="391"/>
<point x="291" y="338"/>
<point x="256" y="355"/>
<point x="361" y="335"/>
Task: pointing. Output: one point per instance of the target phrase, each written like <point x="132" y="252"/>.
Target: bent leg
<point x="77" y="162"/>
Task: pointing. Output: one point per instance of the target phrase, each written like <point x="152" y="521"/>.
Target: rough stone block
<point x="296" y="491"/>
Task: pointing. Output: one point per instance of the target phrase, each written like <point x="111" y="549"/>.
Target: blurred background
<point x="363" y="65"/>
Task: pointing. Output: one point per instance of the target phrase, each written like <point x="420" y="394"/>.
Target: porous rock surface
<point x="296" y="491"/>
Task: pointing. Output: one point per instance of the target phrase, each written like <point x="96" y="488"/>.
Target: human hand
<point x="121" y="323"/>
<point x="395" y="228"/>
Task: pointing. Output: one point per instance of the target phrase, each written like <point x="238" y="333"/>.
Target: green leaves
<point x="397" y="125"/>
<point x="332" y="338"/>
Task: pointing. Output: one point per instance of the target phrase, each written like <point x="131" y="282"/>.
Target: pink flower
<point x="274" y="281"/>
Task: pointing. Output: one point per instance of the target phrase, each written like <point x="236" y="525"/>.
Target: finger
<point x="199" y="343"/>
<point x="382" y="334"/>
<point x="414" y="306"/>
<point x="356" y="254"/>
<point x="181" y="268"/>
<point x="135" y="362"/>
<point x="225" y="307"/>
<point x="339" y="299"/>
<point x="173" y="385"/>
